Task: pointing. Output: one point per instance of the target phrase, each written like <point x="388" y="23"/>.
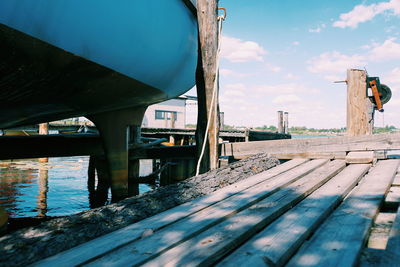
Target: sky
<point x="286" y="54"/>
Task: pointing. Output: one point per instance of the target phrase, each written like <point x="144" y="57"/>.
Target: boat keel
<point x="114" y="131"/>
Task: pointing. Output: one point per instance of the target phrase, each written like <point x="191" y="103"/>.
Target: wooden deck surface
<point x="301" y="213"/>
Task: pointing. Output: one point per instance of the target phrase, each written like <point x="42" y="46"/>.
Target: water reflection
<point x="43" y="189"/>
<point x="59" y="187"/>
<point x="98" y="192"/>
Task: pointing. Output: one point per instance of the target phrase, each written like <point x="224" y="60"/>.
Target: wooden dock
<point x="301" y="213"/>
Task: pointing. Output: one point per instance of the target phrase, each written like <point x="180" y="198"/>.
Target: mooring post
<point x="135" y="135"/>
<point x="280" y="121"/>
<point x="359" y="107"/>
<point x="206" y="75"/>
<point x="286" y="122"/>
<point x="44" y="129"/>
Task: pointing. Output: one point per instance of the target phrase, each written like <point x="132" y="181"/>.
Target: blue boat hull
<point x="66" y="58"/>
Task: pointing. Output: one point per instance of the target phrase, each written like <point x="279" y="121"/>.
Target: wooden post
<point x="280" y="121"/>
<point x="359" y="107"/>
<point x="205" y="79"/>
<point x="286" y="122"/>
<point x="44" y="129"/>
<point x="134" y="165"/>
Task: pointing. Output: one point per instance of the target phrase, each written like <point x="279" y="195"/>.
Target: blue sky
<point x="285" y="55"/>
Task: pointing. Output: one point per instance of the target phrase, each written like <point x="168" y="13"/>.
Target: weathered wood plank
<point x="338" y="242"/>
<point x="392" y="199"/>
<point x="356" y="157"/>
<point x="310" y="145"/>
<point x="111" y="241"/>
<point x="308" y="155"/>
<point x="190" y="226"/>
<point x="211" y="245"/>
<point x="393" y="245"/>
<point x="282" y="238"/>
<point x="396" y="181"/>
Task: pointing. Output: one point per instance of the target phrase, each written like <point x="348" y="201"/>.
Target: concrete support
<point x="359" y="107"/>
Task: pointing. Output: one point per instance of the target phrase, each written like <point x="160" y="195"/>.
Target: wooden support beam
<point x="359" y="107"/>
<point x="206" y="75"/>
<point x="286" y="122"/>
<point x="314" y="145"/>
<point x="280" y="122"/>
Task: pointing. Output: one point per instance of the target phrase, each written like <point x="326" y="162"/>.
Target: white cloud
<point x="286" y="99"/>
<point x="392" y="79"/>
<point x="296" y="43"/>
<point x="235" y="74"/>
<point x="292" y="76"/>
<point x="331" y="63"/>
<point x="388" y="50"/>
<point x="285" y="88"/>
<point x="237" y="50"/>
<point x="364" y="13"/>
<point x="318" y="29"/>
<point x="273" y="68"/>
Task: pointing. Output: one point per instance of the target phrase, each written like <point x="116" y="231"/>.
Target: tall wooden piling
<point x="359" y="107"/>
<point x="286" y="122"/>
<point x="205" y="79"/>
<point x="280" y="122"/>
<point x="44" y="129"/>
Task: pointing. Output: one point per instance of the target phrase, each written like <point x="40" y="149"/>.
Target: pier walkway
<point x="301" y="213"/>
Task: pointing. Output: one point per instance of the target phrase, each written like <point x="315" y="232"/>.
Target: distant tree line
<point x="304" y="129"/>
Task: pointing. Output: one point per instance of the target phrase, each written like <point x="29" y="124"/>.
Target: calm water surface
<point x="30" y="188"/>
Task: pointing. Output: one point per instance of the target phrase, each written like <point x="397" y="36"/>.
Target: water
<point x="30" y="188"/>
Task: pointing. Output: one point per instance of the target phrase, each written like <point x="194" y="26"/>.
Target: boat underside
<point x="40" y="82"/>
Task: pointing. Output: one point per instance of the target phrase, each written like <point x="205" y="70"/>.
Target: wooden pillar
<point x="205" y="79"/>
<point x="135" y="134"/>
<point x="44" y="129"/>
<point x="280" y="121"/>
<point x="359" y="107"/>
<point x="286" y="122"/>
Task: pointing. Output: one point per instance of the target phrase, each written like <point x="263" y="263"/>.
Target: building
<point x="167" y="114"/>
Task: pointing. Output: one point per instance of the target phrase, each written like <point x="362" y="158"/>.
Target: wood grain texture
<point x="119" y="238"/>
<point x="209" y="246"/>
<point x="318" y="145"/>
<point x="338" y="242"/>
<point x="393" y="245"/>
<point x="147" y="248"/>
<point x="356" y="157"/>
<point x="276" y="243"/>
<point x="359" y="107"/>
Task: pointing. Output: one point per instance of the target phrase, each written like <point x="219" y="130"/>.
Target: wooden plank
<point x="275" y="245"/>
<point x="396" y="181"/>
<point x="356" y="157"/>
<point x="209" y="246"/>
<point x="392" y="199"/>
<point x="111" y="241"/>
<point x="319" y="145"/>
<point x="393" y="245"/>
<point x="338" y="242"/>
<point x="172" y="235"/>
<point x="309" y="155"/>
